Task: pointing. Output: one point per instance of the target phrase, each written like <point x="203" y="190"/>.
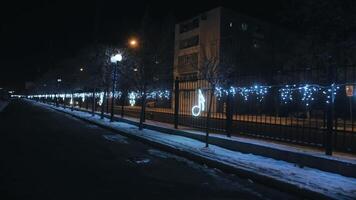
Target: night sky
<point x="36" y="34"/>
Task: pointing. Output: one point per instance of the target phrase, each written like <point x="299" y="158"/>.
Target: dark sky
<point x="35" y="34"/>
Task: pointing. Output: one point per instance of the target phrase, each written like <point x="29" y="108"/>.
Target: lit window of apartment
<point x="185" y="27"/>
<point x="188" y="60"/>
<point x="190" y="42"/>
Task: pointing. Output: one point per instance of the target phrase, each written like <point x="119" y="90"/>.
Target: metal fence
<point x="269" y="118"/>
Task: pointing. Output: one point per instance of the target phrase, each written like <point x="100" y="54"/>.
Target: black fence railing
<point x="264" y="115"/>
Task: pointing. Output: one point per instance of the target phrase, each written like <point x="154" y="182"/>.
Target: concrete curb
<point x="263" y="179"/>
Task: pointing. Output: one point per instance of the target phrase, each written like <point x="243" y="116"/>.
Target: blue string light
<point x="306" y="93"/>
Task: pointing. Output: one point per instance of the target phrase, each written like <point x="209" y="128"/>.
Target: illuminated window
<point x="190" y="42"/>
<point x="189" y="59"/>
<point x="244" y="26"/>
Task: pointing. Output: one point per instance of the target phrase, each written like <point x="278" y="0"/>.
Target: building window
<point x="255" y="44"/>
<point x="188" y="63"/>
<point x="189" y="59"/>
<point x="190" y="42"/>
<point x="189" y="26"/>
<point x="258" y="33"/>
<point x="244" y="27"/>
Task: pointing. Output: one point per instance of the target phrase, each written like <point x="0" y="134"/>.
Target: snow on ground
<point x="116" y="138"/>
<point x="330" y="184"/>
<point x="311" y="151"/>
<point x="213" y="172"/>
<point x="283" y="147"/>
<point x="3" y="105"/>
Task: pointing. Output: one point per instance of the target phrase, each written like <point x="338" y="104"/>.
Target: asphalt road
<point x="45" y="154"/>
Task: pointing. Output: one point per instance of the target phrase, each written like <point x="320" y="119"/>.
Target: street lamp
<point x="115" y="59"/>
<point x="59" y="80"/>
<point x="133" y="43"/>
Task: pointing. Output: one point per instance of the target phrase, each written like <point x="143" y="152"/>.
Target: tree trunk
<point x="123" y="104"/>
<point x="57" y="104"/>
<point x="102" y="107"/>
<point x="208" y="118"/>
<point x="107" y="99"/>
<point x="143" y="108"/>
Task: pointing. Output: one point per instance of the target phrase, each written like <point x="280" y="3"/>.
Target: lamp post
<point x="59" y="80"/>
<point x="114" y="59"/>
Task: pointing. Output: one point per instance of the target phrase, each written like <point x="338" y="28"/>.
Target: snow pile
<point x="330" y="184"/>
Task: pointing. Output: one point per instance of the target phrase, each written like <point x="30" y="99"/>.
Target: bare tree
<point x="147" y="65"/>
<point x="216" y="73"/>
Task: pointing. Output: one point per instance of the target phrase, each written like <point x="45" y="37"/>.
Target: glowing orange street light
<point x="133" y="43"/>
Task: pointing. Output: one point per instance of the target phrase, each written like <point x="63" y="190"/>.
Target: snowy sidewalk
<point x="3" y="105"/>
<point x="307" y="179"/>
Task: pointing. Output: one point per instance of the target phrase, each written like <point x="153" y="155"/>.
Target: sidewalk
<point x="339" y="163"/>
<point x="306" y="181"/>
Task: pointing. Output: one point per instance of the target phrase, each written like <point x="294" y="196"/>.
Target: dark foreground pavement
<point x="49" y="155"/>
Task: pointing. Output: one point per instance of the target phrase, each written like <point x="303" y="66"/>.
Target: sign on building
<point x="349" y="90"/>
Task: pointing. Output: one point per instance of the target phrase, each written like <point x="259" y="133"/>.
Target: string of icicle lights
<point x="133" y="95"/>
<point x="307" y="93"/>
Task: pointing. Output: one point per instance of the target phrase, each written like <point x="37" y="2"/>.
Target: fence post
<point x="330" y="114"/>
<point x="228" y="113"/>
<point x="176" y="102"/>
<point x="72" y="101"/>
<point x="64" y="100"/>
<point x="103" y="106"/>
<point x="93" y="104"/>
<point x="57" y="103"/>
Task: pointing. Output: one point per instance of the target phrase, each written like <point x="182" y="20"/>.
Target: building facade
<point x="248" y="45"/>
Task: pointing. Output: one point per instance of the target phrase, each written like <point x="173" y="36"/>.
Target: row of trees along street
<point x="145" y="65"/>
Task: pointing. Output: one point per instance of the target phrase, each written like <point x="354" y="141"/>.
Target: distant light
<point x="1" y="88"/>
<point x="133" y="42"/>
<point x="11" y="92"/>
<point x="81" y="69"/>
<point x="135" y="69"/>
<point x="116" y="58"/>
<point x="59" y="80"/>
<point x="230" y="24"/>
